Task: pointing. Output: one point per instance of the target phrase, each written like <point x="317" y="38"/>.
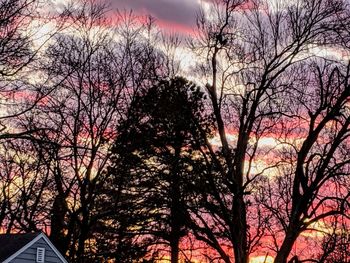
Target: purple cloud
<point x="174" y="11"/>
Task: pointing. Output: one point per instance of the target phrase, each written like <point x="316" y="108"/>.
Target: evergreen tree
<point x="157" y="157"/>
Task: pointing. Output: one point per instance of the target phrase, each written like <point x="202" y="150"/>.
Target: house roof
<point x="11" y="243"/>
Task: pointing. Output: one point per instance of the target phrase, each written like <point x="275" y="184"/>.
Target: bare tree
<point x="320" y="166"/>
<point x="17" y="54"/>
<point x="94" y="73"/>
<point x="25" y="183"/>
<point x="15" y="43"/>
<point x="252" y="55"/>
<point x="20" y="44"/>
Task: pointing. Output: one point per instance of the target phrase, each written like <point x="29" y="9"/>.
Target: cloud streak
<point x="182" y="12"/>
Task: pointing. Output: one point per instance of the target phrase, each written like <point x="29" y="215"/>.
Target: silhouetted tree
<point x="256" y="55"/>
<point x="93" y="76"/>
<point x="17" y="96"/>
<point x="335" y="241"/>
<point x="157" y="158"/>
<point x="16" y="45"/>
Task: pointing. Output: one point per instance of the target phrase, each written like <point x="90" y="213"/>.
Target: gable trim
<point x="53" y="247"/>
<point x="47" y="240"/>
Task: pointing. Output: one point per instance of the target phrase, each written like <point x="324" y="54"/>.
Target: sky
<point x="181" y="12"/>
<point x="175" y="15"/>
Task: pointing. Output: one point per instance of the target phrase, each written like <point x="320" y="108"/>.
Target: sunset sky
<point x="92" y="60"/>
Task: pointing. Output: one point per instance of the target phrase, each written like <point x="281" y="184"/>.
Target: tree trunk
<point x="175" y="234"/>
<point x="239" y="220"/>
<point x="240" y="230"/>
<point x="287" y="245"/>
<point x="58" y="225"/>
<point x="81" y="245"/>
<point x="176" y="208"/>
<point x="174" y="245"/>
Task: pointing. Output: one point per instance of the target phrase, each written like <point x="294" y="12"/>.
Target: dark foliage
<point x="157" y="158"/>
